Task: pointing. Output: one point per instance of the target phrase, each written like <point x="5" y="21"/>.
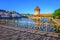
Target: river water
<point x="43" y="24"/>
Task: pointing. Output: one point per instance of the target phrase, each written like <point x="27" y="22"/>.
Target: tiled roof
<point x="37" y="8"/>
<point x="44" y="15"/>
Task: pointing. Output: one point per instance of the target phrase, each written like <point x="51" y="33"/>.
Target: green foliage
<point x="56" y="12"/>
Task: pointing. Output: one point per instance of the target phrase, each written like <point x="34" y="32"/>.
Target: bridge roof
<point x="44" y="15"/>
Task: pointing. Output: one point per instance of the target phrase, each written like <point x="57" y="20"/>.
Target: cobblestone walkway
<point x="11" y="34"/>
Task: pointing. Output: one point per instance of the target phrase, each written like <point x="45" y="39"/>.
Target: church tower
<point x="36" y="10"/>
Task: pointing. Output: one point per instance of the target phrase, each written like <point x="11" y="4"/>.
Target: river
<point x="42" y="24"/>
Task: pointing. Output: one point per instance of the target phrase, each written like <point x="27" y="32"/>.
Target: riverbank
<point x="13" y="33"/>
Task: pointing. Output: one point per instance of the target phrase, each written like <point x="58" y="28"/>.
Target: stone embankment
<point x="13" y="33"/>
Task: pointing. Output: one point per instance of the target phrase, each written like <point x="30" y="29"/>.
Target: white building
<point x="9" y="14"/>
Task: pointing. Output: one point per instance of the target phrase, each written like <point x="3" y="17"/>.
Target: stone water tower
<point x="36" y="10"/>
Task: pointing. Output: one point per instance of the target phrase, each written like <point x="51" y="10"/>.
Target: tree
<point x="56" y="13"/>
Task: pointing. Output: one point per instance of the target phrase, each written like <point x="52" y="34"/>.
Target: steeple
<point x="37" y="8"/>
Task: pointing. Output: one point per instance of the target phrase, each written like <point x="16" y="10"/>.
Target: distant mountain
<point x="2" y="10"/>
<point x="4" y="13"/>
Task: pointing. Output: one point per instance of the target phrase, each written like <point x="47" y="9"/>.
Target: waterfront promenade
<point x="13" y="33"/>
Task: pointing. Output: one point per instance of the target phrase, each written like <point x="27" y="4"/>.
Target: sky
<point x="28" y="6"/>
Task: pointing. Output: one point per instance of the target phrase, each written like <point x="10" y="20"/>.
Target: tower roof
<point x="37" y="8"/>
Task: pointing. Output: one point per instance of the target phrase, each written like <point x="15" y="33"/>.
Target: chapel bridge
<point x="37" y="15"/>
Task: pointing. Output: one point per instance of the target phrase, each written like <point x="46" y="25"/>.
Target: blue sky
<point x="27" y="6"/>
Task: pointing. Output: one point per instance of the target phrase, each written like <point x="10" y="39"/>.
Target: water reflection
<point x="41" y="24"/>
<point x="36" y="23"/>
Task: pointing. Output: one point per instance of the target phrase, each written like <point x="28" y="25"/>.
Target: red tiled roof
<point x="44" y="15"/>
